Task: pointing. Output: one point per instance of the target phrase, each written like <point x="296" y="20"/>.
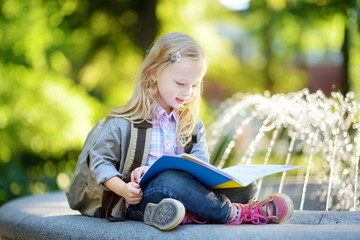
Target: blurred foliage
<point x="65" y="63"/>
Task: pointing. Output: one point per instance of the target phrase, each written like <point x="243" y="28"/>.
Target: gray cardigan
<point x="109" y="153"/>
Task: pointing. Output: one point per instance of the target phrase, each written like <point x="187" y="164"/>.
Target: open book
<point x="210" y="176"/>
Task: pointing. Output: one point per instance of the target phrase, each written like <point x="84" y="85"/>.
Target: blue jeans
<point x="206" y="204"/>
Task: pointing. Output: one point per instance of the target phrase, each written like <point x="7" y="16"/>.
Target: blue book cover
<point x="210" y="176"/>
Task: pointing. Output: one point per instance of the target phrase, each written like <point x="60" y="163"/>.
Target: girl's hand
<point x="133" y="193"/>
<point x="130" y="191"/>
<point x="138" y="173"/>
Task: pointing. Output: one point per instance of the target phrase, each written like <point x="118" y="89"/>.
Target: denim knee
<point x="165" y="185"/>
<point x="195" y="197"/>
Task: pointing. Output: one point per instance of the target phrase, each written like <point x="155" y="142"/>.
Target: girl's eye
<point x="180" y="83"/>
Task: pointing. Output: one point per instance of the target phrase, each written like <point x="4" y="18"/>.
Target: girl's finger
<point x="133" y="176"/>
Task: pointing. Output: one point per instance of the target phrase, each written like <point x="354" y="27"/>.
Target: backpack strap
<point x="194" y="138"/>
<point x="139" y="144"/>
<point x="140" y="138"/>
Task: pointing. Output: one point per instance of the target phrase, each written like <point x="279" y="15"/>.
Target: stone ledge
<point x="49" y="217"/>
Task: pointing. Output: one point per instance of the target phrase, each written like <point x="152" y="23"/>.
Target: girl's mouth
<point x="180" y="101"/>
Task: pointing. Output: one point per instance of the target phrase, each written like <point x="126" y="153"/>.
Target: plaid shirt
<point x="163" y="136"/>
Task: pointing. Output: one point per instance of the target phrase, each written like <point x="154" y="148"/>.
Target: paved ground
<point x="49" y="217"/>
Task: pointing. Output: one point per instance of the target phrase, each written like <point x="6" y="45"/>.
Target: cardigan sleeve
<point x="105" y="155"/>
<point x="200" y="149"/>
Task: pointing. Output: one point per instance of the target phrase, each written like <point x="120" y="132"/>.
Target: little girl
<point x="167" y="95"/>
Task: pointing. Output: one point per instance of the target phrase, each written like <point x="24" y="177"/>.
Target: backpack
<point x="86" y="196"/>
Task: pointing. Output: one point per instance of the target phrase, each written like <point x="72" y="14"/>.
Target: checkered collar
<point x="160" y="113"/>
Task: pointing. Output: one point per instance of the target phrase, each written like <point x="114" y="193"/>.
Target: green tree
<point x="63" y="65"/>
<point x="291" y="30"/>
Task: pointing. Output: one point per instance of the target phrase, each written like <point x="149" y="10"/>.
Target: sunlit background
<point x="65" y="63"/>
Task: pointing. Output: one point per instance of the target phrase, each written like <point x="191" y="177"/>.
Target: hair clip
<point x="171" y="58"/>
<point x="178" y="56"/>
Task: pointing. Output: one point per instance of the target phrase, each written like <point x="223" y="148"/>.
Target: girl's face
<point x="177" y="83"/>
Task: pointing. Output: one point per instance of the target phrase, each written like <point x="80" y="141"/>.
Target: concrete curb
<point x="49" y="217"/>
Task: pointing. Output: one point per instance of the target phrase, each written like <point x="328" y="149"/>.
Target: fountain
<point x="319" y="133"/>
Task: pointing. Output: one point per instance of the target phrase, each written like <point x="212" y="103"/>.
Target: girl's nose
<point x="186" y="92"/>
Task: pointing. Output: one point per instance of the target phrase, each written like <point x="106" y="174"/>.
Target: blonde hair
<point x="142" y="104"/>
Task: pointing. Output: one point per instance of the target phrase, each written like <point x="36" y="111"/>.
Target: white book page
<point x="248" y="173"/>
